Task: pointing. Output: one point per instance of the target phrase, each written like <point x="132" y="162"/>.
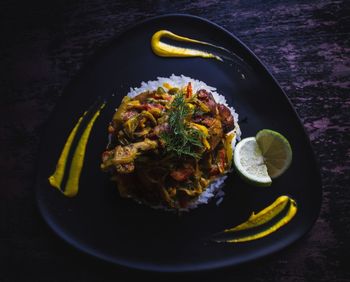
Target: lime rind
<point x="276" y="151"/>
<point x="262" y="158"/>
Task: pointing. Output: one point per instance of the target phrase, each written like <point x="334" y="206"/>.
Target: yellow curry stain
<point x="263" y="217"/>
<point x="72" y="185"/>
<point x="56" y="178"/>
<point x="166" y="50"/>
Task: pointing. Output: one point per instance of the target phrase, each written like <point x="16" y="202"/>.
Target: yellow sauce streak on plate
<point x="283" y="221"/>
<point x="56" y="178"/>
<point x="72" y="185"/>
<point x="263" y="216"/>
<point x="165" y="50"/>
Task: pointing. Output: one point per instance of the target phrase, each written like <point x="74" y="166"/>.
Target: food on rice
<point x="171" y="143"/>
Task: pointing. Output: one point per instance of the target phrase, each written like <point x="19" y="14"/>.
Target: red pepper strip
<point x="152" y="106"/>
<point x="222" y="158"/>
<point x="189" y="90"/>
<point x="181" y="174"/>
<point x="105" y="155"/>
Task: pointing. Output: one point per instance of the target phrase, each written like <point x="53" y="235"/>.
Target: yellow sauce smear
<point x="263" y="217"/>
<point x="165" y="50"/>
<point x="72" y="185"/>
<point x="56" y="178"/>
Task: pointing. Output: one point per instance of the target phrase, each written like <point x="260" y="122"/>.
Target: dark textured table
<point x="44" y="44"/>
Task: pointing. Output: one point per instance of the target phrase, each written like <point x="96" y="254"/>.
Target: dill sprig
<point x="181" y="140"/>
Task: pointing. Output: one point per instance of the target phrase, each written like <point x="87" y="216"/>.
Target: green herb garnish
<point x="182" y="139"/>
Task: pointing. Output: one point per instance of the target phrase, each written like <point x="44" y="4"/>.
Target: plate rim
<point x="206" y="266"/>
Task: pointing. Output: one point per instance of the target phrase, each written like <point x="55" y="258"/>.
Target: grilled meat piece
<point x="215" y="130"/>
<point x="208" y="99"/>
<point x="182" y="174"/>
<point x="226" y="118"/>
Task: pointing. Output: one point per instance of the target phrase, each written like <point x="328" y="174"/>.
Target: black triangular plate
<point x="118" y="230"/>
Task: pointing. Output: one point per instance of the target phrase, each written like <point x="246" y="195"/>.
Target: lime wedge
<point x="249" y="162"/>
<point x="262" y="158"/>
<point x="276" y="151"/>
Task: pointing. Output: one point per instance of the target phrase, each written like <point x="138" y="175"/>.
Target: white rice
<point x="215" y="188"/>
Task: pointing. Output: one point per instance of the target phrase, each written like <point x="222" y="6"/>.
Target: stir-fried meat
<point x="144" y="96"/>
<point x="215" y="130"/>
<point x="145" y="145"/>
<point x="183" y="173"/>
<point x="123" y="157"/>
<point x="226" y="118"/>
<point x="168" y="145"/>
<point x="129" y="114"/>
<point x="208" y="99"/>
<point x="224" y="113"/>
<point x="161" y="128"/>
<point x="125" y="168"/>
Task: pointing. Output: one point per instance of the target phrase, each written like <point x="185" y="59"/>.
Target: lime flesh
<point x="249" y="162"/>
<point x="262" y="158"/>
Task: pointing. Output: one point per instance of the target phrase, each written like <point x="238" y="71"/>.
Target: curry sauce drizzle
<point x="166" y="50"/>
<point x="264" y="216"/>
<point x="72" y="184"/>
<point x="56" y="178"/>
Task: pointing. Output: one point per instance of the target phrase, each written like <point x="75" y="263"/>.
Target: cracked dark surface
<point x="306" y="45"/>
